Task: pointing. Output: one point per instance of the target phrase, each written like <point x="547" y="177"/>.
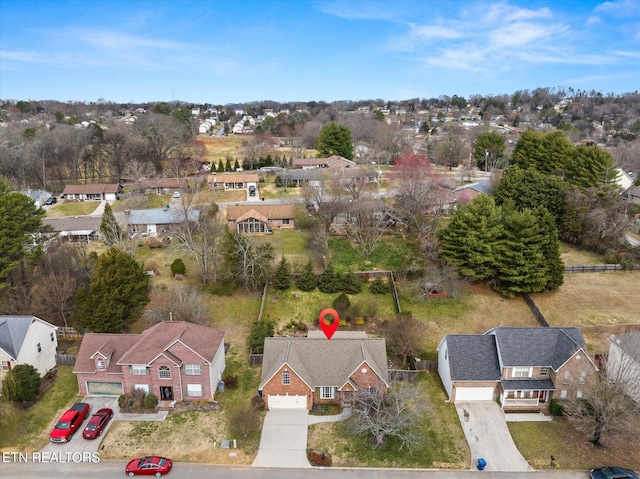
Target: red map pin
<point x="328" y="328"/>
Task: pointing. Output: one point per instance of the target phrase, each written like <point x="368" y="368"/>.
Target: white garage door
<point x="474" y="394"/>
<point x="287" y="402"/>
<point x="104" y="389"/>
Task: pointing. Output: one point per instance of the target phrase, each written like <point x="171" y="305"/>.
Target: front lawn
<point x="444" y="445"/>
<point x="538" y="441"/>
<point x="28" y="430"/>
<point x="72" y="208"/>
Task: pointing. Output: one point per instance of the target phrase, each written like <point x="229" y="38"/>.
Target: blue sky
<point x="239" y="51"/>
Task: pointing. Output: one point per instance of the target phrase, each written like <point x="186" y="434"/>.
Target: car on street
<point x="149" y="466"/>
<point x="52" y="200"/>
<point x="613" y="473"/>
<point x="69" y="423"/>
<point x="176" y="194"/>
<point x="97" y="423"/>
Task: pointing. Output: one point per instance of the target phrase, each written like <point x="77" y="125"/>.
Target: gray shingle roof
<point x="527" y="384"/>
<point x="542" y="347"/>
<point x="473" y="357"/>
<point x="160" y="216"/>
<point x="322" y="362"/>
<point x="13" y="330"/>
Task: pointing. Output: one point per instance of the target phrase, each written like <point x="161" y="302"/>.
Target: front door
<point x="166" y="393"/>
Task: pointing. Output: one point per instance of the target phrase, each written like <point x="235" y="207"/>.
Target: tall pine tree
<point x="282" y="279"/>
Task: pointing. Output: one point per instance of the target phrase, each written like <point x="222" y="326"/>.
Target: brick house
<point x="233" y="181"/>
<point x="301" y="372"/>
<point x="259" y="218"/>
<point x="332" y="162"/>
<point x="173" y="360"/>
<point x="522" y="367"/>
<point x="94" y="192"/>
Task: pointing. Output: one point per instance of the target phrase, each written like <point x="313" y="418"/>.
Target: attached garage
<point x="474" y="394"/>
<point x="104" y="389"/>
<point x="287" y="402"/>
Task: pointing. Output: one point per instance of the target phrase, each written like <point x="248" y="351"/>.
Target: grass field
<point x="72" y="208"/>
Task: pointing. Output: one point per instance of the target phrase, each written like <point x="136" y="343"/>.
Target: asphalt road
<point x="111" y="469"/>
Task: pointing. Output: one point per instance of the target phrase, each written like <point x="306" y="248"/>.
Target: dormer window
<point x="101" y="364"/>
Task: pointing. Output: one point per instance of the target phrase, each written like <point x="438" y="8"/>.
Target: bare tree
<point x="247" y="265"/>
<point x="405" y="336"/>
<point x="178" y="303"/>
<point x="137" y="171"/>
<point x="367" y="225"/>
<point x="397" y="414"/>
<point x="610" y="407"/>
<point x="328" y="196"/>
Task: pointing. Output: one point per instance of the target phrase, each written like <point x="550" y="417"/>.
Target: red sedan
<point x="97" y="423"/>
<point x="149" y="466"/>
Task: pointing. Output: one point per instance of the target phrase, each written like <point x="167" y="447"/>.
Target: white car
<point x="176" y="194"/>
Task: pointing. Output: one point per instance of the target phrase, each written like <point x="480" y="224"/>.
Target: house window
<point x="544" y="372"/>
<point x="192" y="369"/>
<point x="579" y="395"/>
<point x="39" y="348"/>
<point x="194" y="390"/>
<point x="101" y="365"/>
<point x="164" y="372"/>
<point x="5" y="365"/>
<point x="583" y="377"/>
<point x="563" y="394"/>
<point x="521" y="372"/>
<point x="285" y="221"/>
<point x="142" y="387"/>
<point x="327" y="392"/>
<point x="565" y="378"/>
<point x="446" y="354"/>
<point x="286" y="378"/>
<point x="52" y="336"/>
<point x="139" y="369"/>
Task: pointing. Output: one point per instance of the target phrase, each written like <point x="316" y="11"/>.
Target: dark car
<point x="613" y="473"/>
<point x="52" y="200"/>
<point x="149" y="466"/>
<point x="252" y="190"/>
<point x="97" y="423"/>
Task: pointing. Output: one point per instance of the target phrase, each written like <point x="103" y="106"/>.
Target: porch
<point x="526" y="394"/>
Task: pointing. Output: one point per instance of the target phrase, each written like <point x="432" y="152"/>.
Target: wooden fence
<point x="403" y="375"/>
<point x="596" y="268"/>
<point x="534" y="309"/>
<point x="67" y="331"/>
<point x="255" y="359"/>
<point x="65" y="360"/>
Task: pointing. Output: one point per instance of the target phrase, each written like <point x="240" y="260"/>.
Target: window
<point x="563" y="394"/>
<point x="5" y="365"/>
<point x="39" y="348"/>
<point x="286" y="378"/>
<point x="583" y="377"/>
<point x="565" y="378"/>
<point x="327" y="392"/>
<point x="142" y="387"/>
<point x="192" y="369"/>
<point x="446" y="354"/>
<point x="194" y="390"/>
<point x="579" y="395"/>
<point x="521" y="372"/>
<point x="544" y="372"/>
<point x="101" y="365"/>
<point x="52" y="336"/>
<point x="164" y="372"/>
<point x="285" y="221"/>
<point x="139" y="369"/>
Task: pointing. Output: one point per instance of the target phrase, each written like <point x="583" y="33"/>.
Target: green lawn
<point x="72" y="208"/>
<point x="443" y="444"/>
<point x="27" y="430"/>
<point x="388" y="255"/>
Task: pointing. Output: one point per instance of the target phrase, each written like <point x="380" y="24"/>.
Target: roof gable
<point x="277" y="211"/>
<point x="472" y="357"/>
<point x="13" y="331"/>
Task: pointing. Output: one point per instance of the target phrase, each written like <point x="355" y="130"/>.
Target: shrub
<point x="556" y="408"/>
<point x="222" y="288"/>
<point x="230" y="382"/>
<point x="150" y="401"/>
<point x="319" y="458"/>
<point x="244" y="421"/>
<point x="350" y="283"/>
<point x="178" y="267"/>
<point x="359" y="321"/>
<point x="151" y="265"/>
<point x="22" y="383"/>
<point x="153" y="242"/>
<point x="121" y="400"/>
<point x="379" y="286"/>
<point x="282" y="279"/>
<point x="330" y="280"/>
<point x="259" y="331"/>
<point x="307" y="281"/>
<point x="341" y="304"/>
<point x="257" y="403"/>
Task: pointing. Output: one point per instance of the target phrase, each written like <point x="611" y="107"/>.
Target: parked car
<point x="69" y="423"/>
<point x="149" y="466"/>
<point x="176" y="194"/>
<point x="613" y="473"/>
<point x="252" y="190"/>
<point x="52" y="200"/>
<point x="97" y="423"/>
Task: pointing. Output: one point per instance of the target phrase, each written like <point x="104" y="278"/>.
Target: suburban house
<point x="259" y="218"/>
<point x="39" y="197"/>
<point x="163" y="186"/>
<point x="95" y="192"/>
<point x="623" y="362"/>
<point x="332" y="162"/>
<point x="74" y="228"/>
<point x="633" y="195"/>
<point x="173" y="360"/>
<point x="233" y="181"/>
<point x="153" y="222"/>
<point x="466" y="193"/>
<point x="27" y="340"/>
<point x="524" y="368"/>
<point x="301" y="372"/>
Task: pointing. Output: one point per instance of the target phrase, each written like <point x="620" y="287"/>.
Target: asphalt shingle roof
<point x="160" y="216"/>
<point x="13" y="330"/>
<point x="473" y="357"/>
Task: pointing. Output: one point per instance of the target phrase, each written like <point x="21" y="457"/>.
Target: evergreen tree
<point x="350" y="283"/>
<point x="591" y="166"/>
<point x="21" y="383"/>
<point x="109" y="227"/>
<point x="554" y="266"/>
<point x="307" y="281"/>
<point x="227" y="166"/>
<point x="116" y="294"/>
<point x="335" y="139"/>
<point x="236" y="165"/>
<point x="220" y="166"/>
<point x="469" y="240"/>
<point x="549" y="152"/>
<point x="329" y="280"/>
<point x="282" y="279"/>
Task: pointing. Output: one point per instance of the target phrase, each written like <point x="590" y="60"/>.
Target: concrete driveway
<point x="283" y="442"/>
<point x="486" y="431"/>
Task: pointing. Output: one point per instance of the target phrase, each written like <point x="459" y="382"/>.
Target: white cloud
<point x="503" y="12"/>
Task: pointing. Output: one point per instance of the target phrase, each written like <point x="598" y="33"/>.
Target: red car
<point x="97" y="423"/>
<point x="69" y="423"/>
<point x="149" y="466"/>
